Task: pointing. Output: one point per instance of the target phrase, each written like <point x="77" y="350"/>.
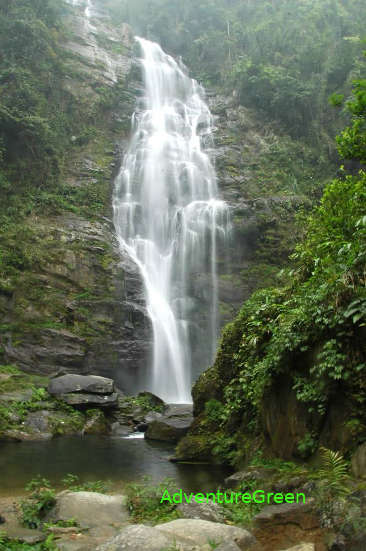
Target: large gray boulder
<point x="172" y="425"/>
<point x="90" y="509"/>
<point x="182" y="535"/>
<point x="137" y="537"/>
<point x="90" y="384"/>
<point x="201" y="532"/>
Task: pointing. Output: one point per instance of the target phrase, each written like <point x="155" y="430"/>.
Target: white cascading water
<point x="168" y="216"/>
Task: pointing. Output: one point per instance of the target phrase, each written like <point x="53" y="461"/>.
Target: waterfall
<point x="169" y="218"/>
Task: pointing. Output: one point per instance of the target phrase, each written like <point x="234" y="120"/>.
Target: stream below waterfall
<point x="120" y="460"/>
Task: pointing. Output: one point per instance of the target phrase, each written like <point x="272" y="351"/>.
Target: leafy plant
<point x="333" y="474"/>
<point x="40" y="501"/>
<point x="307" y="446"/>
<point x="72" y="483"/>
<point x="332" y="489"/>
<point x="11" y="544"/>
<point x="144" y="500"/>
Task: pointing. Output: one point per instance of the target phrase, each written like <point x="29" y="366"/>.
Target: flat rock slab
<point x="76" y="399"/>
<point x="91" y="384"/>
<point x="201" y="532"/>
<point x="90" y="509"/>
<point x="14" y="435"/>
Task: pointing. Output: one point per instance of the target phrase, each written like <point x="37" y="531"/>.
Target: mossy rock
<point x="194" y="448"/>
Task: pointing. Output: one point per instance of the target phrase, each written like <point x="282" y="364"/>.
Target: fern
<point x="333" y="473"/>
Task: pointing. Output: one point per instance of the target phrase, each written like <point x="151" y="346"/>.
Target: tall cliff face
<point x="266" y="178"/>
<point x="77" y="306"/>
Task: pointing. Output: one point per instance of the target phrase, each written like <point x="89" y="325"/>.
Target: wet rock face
<point x="261" y="236"/>
<point x="80" y="307"/>
<point x="94" y="296"/>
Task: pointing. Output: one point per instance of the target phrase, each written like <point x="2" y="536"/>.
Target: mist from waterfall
<point x="169" y="218"/>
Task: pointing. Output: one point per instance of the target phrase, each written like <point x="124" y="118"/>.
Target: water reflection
<point x="99" y="458"/>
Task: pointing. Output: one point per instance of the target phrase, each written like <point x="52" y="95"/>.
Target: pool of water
<point x="92" y="458"/>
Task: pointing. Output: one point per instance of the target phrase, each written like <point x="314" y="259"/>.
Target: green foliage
<point x="332" y="490"/>
<point x="214" y="411"/>
<point x="14" y="412"/>
<point x="283" y="59"/>
<point x="352" y="141"/>
<point x="72" y="483"/>
<point x="144" y="501"/>
<point x="143" y="402"/>
<point x="31" y="73"/>
<point x="10" y="544"/>
<point x="43" y="497"/>
<point x="241" y="514"/>
<point x="308" y="333"/>
<point x="40" y="501"/>
<point x="307" y="446"/>
<point x="333" y="474"/>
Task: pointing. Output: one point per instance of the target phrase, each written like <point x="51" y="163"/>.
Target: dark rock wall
<point x="80" y="307"/>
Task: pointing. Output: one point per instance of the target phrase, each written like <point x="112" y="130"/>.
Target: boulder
<point x="90" y="384"/>
<point x="203" y="511"/>
<point x="182" y="535"/>
<point x="300" y="514"/>
<point x="201" y="532"/>
<point x="172" y="425"/>
<point x="138" y="537"/>
<point x="76" y="399"/>
<point x="359" y="461"/>
<point x="90" y="509"/>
